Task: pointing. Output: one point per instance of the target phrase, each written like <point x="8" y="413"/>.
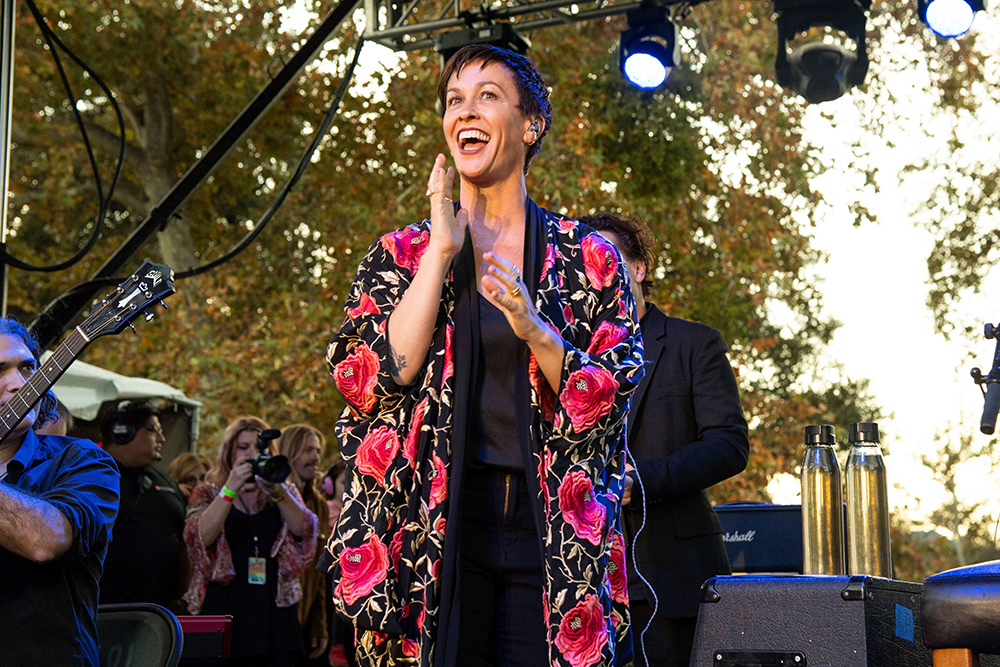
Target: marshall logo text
<point x="737" y="536"/>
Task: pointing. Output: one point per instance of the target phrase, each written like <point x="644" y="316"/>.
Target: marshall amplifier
<point x="761" y="537"/>
<point x="809" y="621"/>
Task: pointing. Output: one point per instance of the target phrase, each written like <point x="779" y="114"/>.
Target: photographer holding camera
<point x="249" y="537"/>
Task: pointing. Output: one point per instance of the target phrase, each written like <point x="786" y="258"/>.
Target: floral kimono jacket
<point x="393" y="553"/>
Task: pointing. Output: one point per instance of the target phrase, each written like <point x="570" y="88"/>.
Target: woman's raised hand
<point x="447" y="229"/>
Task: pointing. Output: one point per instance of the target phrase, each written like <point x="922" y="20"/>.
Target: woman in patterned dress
<point x="487" y="359"/>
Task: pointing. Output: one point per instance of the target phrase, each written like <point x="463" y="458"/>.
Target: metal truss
<point x="410" y="25"/>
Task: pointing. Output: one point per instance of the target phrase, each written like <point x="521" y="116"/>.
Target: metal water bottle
<point x="868" y="546"/>
<point x="822" y="504"/>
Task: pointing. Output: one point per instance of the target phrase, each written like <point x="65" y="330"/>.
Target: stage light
<point x="949" y="18"/>
<point x="821" y="71"/>
<point x="648" y="49"/>
<point x="495" y="34"/>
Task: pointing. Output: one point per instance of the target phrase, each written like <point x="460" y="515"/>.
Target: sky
<point x="875" y="283"/>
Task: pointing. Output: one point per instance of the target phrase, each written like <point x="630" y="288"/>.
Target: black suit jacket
<point x="686" y="432"/>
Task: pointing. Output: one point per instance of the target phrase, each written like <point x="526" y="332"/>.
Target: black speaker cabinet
<point x="809" y="621"/>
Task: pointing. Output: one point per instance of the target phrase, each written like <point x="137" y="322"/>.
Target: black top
<point x="260" y="627"/>
<point x="49" y="609"/>
<point x="493" y="431"/>
<point x="144" y="562"/>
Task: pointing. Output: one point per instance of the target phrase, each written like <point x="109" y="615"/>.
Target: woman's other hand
<point x="503" y="284"/>
<point x="505" y="288"/>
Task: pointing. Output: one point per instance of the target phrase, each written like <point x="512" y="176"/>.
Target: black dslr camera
<point x="274" y="469"/>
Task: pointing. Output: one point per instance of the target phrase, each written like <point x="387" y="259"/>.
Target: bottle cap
<point x="821" y="434"/>
<point x="863" y="432"/>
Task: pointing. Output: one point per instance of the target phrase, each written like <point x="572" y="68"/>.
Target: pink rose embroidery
<point x="396" y="548"/>
<point x="413" y="436"/>
<point x="565" y="224"/>
<point x="449" y="364"/>
<point x="406" y="246"/>
<point x="583" y="633"/>
<point x="606" y="337"/>
<point x="568" y="315"/>
<point x="411" y="649"/>
<point x="616" y="570"/>
<point x="580" y="508"/>
<point x="362" y="569"/>
<point x="588" y="396"/>
<point x="376" y="452"/>
<point x="439" y="525"/>
<point x="542" y="388"/>
<point x="550" y="260"/>
<point x="366" y="305"/>
<point x="545" y="460"/>
<point x="355" y="377"/>
<point x="439" y="482"/>
<point x="600" y="262"/>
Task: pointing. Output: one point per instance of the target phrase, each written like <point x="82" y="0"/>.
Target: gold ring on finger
<point x="431" y="193"/>
<point x="516" y="290"/>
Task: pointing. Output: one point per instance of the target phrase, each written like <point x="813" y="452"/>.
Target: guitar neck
<point x="40" y="382"/>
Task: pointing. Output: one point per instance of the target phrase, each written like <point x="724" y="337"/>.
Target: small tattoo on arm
<point x="398" y="361"/>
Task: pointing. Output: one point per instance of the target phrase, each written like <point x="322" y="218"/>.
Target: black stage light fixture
<point x="648" y="49"/>
<point x="496" y="34"/>
<point x="821" y="71"/>
<point x="949" y="18"/>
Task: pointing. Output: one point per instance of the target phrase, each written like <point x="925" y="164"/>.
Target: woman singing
<point x="487" y="360"/>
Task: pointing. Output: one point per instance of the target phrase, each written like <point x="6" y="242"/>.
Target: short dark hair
<point x="9" y="326"/>
<point x="637" y="242"/>
<point x="533" y="94"/>
<point x="133" y="413"/>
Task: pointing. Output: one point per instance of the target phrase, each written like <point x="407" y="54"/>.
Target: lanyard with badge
<point x="257" y="570"/>
<point x="257" y="564"/>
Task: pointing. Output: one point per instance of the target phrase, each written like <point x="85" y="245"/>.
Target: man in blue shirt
<point x="58" y="501"/>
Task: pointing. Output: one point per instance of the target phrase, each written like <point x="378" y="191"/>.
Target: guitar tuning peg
<point x="132" y="328"/>
<point x="149" y="315"/>
<point x="164" y="305"/>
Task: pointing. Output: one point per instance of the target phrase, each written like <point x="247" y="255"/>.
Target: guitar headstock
<point x="150" y="284"/>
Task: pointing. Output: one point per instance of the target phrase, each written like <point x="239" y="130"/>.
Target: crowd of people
<point x="237" y="536"/>
<point x="521" y="472"/>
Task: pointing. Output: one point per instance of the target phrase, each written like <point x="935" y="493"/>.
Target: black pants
<point x="668" y="642"/>
<point x="501" y="577"/>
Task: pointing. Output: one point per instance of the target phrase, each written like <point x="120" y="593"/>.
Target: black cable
<point x="304" y="162"/>
<point x="104" y="203"/>
<point x="91" y="285"/>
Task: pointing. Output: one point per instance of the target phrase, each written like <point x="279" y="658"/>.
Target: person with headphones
<point x="147" y="560"/>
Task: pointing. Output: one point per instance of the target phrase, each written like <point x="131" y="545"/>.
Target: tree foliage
<point x="720" y="171"/>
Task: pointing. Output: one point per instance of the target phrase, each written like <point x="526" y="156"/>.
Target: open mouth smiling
<point x="471" y="139"/>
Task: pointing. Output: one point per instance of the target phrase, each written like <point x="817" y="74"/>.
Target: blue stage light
<point x="648" y="50"/>
<point x="949" y="18"/>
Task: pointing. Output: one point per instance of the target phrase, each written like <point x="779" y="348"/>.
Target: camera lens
<point x="274" y="469"/>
